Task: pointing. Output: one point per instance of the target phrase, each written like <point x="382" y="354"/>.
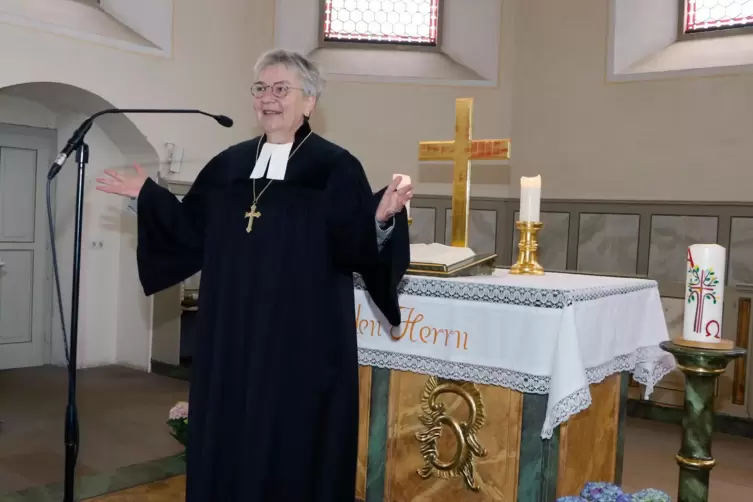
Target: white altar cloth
<point x="554" y="334"/>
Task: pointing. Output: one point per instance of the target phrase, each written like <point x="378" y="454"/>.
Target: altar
<point x="502" y="387"/>
<point x="510" y="386"/>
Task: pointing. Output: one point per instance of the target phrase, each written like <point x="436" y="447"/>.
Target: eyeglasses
<point x="278" y="90"/>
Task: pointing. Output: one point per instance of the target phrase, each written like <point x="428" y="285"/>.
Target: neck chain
<point x="258" y="148"/>
<point x="252" y="213"/>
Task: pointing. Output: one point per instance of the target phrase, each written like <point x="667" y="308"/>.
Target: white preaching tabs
<point x="276" y="158"/>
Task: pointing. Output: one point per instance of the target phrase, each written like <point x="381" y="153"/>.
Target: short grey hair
<point x="311" y="76"/>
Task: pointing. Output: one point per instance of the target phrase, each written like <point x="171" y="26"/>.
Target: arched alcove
<point x="115" y="316"/>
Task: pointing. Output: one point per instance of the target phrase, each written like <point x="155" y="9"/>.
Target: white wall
<point x="132" y="348"/>
<point x="214" y="47"/>
<point x="680" y="138"/>
<point x="684" y="138"/>
<point x="99" y="266"/>
<point x="19" y="111"/>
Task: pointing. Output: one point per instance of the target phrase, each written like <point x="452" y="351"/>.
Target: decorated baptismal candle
<point x="403" y="182"/>
<point x="704" y="293"/>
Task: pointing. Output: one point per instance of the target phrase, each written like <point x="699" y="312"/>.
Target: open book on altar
<point x="439" y="254"/>
<point x="441" y="260"/>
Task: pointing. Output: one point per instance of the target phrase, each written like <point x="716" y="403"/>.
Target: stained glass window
<point x="404" y="22"/>
<point x="707" y="15"/>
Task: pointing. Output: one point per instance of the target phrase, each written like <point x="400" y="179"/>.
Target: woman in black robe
<point x="278" y="225"/>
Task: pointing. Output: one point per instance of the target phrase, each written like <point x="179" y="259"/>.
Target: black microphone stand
<point x="71" y="413"/>
<point x="76" y="143"/>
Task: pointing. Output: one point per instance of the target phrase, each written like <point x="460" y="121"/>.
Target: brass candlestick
<point x="528" y="263"/>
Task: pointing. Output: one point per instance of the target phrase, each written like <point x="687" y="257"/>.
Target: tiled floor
<point x="650" y="449"/>
<point x="649" y="463"/>
<point x="123" y="414"/>
<point x="170" y="490"/>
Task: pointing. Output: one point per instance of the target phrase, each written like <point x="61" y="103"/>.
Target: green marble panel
<point x="539" y="459"/>
<point x="376" y="463"/>
<point x="621" y="425"/>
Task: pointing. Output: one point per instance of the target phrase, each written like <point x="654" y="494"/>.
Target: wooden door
<point x="24" y="285"/>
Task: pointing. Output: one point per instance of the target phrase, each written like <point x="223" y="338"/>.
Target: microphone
<point x="79" y="134"/>
<point x="223" y="120"/>
<point x="77" y="145"/>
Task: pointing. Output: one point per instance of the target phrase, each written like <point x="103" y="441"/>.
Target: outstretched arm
<point x="170" y="236"/>
<point x="170" y="232"/>
<point x="354" y="237"/>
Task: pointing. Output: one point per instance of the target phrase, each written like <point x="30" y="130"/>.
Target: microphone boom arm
<point x="78" y="136"/>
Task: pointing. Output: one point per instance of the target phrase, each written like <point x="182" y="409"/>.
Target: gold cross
<point x="461" y="151"/>
<point x="251" y="214"/>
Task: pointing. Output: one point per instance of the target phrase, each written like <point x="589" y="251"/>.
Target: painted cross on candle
<point x="702" y="287"/>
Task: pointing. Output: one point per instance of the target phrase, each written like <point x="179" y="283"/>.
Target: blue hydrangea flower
<point x="607" y="492"/>
<point x="603" y="492"/>
<point x="651" y="495"/>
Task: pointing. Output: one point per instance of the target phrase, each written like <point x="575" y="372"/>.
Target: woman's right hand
<point x="128" y="186"/>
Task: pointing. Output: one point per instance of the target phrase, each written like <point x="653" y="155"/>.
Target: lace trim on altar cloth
<point x="648" y="366"/>
<point x="510" y="295"/>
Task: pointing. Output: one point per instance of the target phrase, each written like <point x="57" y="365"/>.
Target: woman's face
<point x="279" y="101"/>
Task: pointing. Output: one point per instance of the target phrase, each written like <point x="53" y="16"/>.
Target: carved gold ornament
<point x="435" y="417"/>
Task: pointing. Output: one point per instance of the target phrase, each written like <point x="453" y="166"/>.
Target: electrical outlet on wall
<point x="174" y="157"/>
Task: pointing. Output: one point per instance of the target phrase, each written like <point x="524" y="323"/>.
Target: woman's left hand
<point x="394" y="200"/>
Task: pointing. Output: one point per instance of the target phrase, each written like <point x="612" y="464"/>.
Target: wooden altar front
<point x="515" y="464"/>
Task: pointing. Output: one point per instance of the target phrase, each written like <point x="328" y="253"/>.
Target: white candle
<point x="530" y="198"/>
<point x="704" y="293"/>
<point x="403" y="182"/>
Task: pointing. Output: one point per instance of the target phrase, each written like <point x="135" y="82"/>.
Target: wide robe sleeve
<point x="170" y="233"/>
<point x="352" y="212"/>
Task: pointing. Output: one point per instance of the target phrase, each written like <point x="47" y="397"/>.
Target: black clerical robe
<point x="274" y="379"/>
